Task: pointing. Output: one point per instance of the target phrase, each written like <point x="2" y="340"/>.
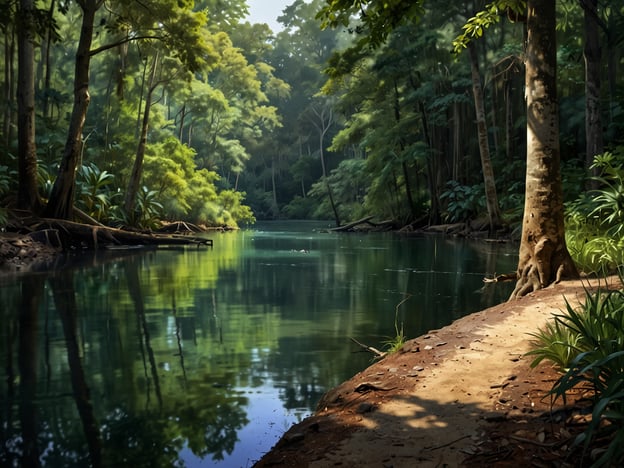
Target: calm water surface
<point x="200" y="357"/>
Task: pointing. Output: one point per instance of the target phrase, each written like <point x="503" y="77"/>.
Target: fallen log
<point x="350" y="226"/>
<point x="74" y="235"/>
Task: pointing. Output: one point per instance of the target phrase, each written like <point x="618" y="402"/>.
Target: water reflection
<point x="204" y="357"/>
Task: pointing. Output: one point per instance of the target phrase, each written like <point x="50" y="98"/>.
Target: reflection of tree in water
<point x="211" y="427"/>
<point x="92" y="346"/>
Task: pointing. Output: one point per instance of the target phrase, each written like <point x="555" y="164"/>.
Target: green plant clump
<point x="587" y="345"/>
<point x="595" y="221"/>
<point x="396" y="342"/>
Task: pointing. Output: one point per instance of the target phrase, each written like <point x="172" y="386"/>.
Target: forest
<point x="142" y="112"/>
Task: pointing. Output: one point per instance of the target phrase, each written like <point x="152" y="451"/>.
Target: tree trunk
<point x="274" y="206"/>
<point x="27" y="358"/>
<point x="137" y="168"/>
<point x="27" y="194"/>
<point x="491" y="199"/>
<point x="404" y="166"/>
<point x="64" y="295"/>
<point x="325" y="119"/>
<point x="592" y="54"/>
<point x="544" y="257"/>
<point x="47" y="74"/>
<point x="8" y="90"/>
<point x="61" y="203"/>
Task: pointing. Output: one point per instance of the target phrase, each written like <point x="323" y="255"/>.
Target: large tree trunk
<point x="593" y="54"/>
<point x="544" y="257"/>
<point x="491" y="198"/>
<point x="27" y="194"/>
<point x="61" y="203"/>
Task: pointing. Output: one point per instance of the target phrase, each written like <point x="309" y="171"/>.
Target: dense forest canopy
<point x="187" y="111"/>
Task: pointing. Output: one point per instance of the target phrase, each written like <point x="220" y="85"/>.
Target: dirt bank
<point x="464" y="395"/>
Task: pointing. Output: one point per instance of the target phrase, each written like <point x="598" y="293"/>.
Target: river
<point x="205" y="357"/>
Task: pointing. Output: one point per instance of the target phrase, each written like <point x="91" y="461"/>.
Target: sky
<point x="267" y="11"/>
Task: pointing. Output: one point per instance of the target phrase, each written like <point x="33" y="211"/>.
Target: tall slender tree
<point x="27" y="194"/>
<point x="491" y="199"/>
<point x="592" y="53"/>
<point x="61" y="202"/>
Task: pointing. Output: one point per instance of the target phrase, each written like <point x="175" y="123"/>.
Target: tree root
<point x="72" y="235"/>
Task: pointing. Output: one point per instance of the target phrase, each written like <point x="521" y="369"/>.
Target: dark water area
<point x="204" y="357"/>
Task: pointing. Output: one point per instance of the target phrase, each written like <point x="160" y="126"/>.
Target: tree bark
<point x="47" y="75"/>
<point x="544" y="257"/>
<point x="61" y="203"/>
<point x="27" y="193"/>
<point x="491" y="199"/>
<point x="8" y="90"/>
<point x="592" y="54"/>
<point x="137" y="168"/>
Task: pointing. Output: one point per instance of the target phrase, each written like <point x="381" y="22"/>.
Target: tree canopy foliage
<point x="352" y="108"/>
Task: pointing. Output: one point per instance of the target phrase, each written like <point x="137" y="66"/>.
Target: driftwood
<point x="364" y="221"/>
<point x="378" y="354"/>
<point x="179" y="227"/>
<point x="501" y="278"/>
<point x="74" y="235"/>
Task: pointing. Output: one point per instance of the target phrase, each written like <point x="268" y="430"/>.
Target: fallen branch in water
<point x="500" y="278"/>
<point x="370" y="349"/>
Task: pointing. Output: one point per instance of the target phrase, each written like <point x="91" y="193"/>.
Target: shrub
<point x="587" y="344"/>
<point x="463" y="202"/>
<point x="595" y="221"/>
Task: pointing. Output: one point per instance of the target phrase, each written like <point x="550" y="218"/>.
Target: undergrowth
<point x="586" y="344"/>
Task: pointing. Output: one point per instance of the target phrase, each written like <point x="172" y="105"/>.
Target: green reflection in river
<point x="187" y="356"/>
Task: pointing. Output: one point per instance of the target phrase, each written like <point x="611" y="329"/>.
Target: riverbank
<point x="22" y="252"/>
<point x="464" y="395"/>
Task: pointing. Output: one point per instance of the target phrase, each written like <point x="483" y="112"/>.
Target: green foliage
<point x="395" y="343"/>
<point x="462" y="202"/>
<point x="232" y="211"/>
<point x="300" y="208"/>
<point x="147" y="214"/>
<point x="595" y="221"/>
<point x="490" y="15"/>
<point x="5" y="181"/>
<point x="588" y="343"/>
<point x="556" y="343"/>
<point x="377" y="18"/>
<point x="94" y="196"/>
<point x="148" y="209"/>
<point x="609" y="198"/>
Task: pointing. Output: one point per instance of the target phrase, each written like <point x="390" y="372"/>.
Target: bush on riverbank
<point x="587" y="345"/>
